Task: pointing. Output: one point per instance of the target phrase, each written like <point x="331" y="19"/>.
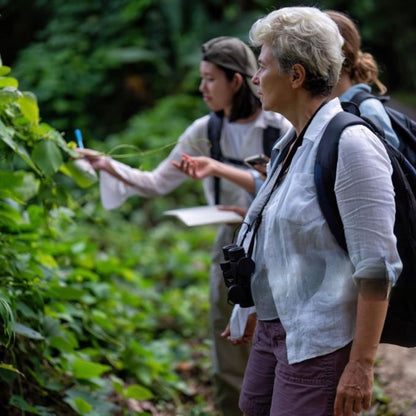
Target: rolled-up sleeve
<point x="365" y="196"/>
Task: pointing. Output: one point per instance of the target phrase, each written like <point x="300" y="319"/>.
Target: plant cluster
<point x="94" y="311"/>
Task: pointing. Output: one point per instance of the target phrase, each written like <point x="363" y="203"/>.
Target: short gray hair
<point x="306" y="36"/>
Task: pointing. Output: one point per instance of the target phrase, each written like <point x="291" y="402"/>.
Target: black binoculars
<point x="237" y="270"/>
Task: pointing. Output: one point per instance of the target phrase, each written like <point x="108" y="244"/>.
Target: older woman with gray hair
<point x="318" y="325"/>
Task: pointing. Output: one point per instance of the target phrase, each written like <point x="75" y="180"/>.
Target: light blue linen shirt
<point x="373" y="108"/>
<point x="302" y="275"/>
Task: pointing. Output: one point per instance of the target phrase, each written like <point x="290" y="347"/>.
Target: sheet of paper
<point x="204" y="215"/>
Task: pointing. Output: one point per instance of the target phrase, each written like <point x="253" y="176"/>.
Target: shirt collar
<point x="315" y="129"/>
<point x="322" y="118"/>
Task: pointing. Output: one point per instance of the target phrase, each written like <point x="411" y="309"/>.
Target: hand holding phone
<point x="257" y="162"/>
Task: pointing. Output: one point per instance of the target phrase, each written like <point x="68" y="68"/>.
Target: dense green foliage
<point x="89" y="320"/>
<point x="94" y="64"/>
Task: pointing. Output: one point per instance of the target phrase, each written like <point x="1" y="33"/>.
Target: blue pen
<point x="78" y="136"/>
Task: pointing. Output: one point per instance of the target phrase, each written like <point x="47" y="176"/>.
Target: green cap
<point x="231" y="53"/>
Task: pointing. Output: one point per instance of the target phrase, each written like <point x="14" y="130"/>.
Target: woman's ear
<point x="237" y="81"/>
<point x="297" y="75"/>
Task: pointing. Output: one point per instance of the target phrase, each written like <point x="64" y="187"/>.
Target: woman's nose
<point x="201" y="86"/>
<point x="255" y="79"/>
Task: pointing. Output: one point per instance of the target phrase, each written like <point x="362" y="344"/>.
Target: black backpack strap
<point x="214" y="135"/>
<point x="361" y="96"/>
<point x="325" y="172"/>
<point x="270" y="135"/>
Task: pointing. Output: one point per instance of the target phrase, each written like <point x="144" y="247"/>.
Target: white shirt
<point x="302" y="275"/>
<point x="194" y="142"/>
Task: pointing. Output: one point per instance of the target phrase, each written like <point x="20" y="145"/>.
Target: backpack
<point x="270" y="135"/>
<point x="400" y="324"/>
<point x="403" y="126"/>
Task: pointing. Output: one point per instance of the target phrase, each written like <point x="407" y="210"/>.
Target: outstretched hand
<point x="96" y="159"/>
<point x="197" y="167"/>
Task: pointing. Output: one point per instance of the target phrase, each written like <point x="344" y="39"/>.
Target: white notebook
<point x="204" y="215"/>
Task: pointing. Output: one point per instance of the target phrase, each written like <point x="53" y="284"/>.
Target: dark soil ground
<point x="396" y="370"/>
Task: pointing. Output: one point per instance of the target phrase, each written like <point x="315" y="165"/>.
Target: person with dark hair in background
<point x="226" y="68"/>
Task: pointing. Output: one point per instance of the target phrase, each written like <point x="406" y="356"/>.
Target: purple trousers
<point x="273" y="387"/>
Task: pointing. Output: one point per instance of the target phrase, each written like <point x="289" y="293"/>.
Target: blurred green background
<point x="94" y="64"/>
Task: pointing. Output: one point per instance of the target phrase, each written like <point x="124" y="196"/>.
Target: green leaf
<point x="8" y="82"/>
<point x="27" y="332"/>
<point x="64" y="293"/>
<point x="9" y="216"/>
<point x="85" y="370"/>
<point x="22" y="404"/>
<point x="55" y="136"/>
<point x="81" y="172"/>
<point x="7" y="319"/>
<point x="117" y="384"/>
<point x="29" y="107"/>
<point x="19" y="186"/>
<point x="9" y="367"/>
<point x="82" y="406"/>
<point x="61" y="344"/>
<point x="4" y="70"/>
<point x="47" y="156"/>
<point x="6" y="134"/>
<point x="9" y="94"/>
<point x="137" y="392"/>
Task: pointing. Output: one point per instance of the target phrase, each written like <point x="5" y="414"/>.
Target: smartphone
<point x="256" y="161"/>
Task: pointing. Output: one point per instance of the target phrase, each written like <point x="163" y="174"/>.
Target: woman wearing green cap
<point x="226" y="68"/>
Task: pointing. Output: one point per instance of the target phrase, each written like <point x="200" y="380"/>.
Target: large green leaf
<point x="4" y="70"/>
<point x="47" y="156"/>
<point x="29" y="107"/>
<point x="64" y="293"/>
<point x="8" y="82"/>
<point x="61" y="344"/>
<point x="137" y="392"/>
<point x="85" y="369"/>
